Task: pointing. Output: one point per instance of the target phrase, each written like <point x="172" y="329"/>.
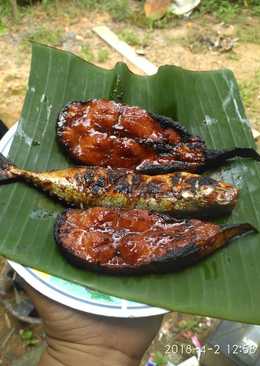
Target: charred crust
<point x="217" y="158"/>
<point x="175" y="179"/>
<point x="168" y="219"/>
<point x="151" y="169"/>
<point x="158" y="147"/>
<point x="114" y="175"/>
<point x="60" y="124"/>
<point x="196" y="145"/>
<point x="60" y="220"/>
<point x="89" y="177"/>
<point x="152" y="188"/>
<point x="167" y="122"/>
<point x="80" y="180"/>
<point x="61" y="118"/>
<point x="98" y="185"/>
<point x="174" y="261"/>
<point x="207" y="181"/>
<point x="193" y="182"/>
<point x="136" y="180"/>
<point x="123" y="187"/>
<point x="101" y="182"/>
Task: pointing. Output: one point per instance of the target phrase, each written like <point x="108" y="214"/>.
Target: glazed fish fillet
<point x="134" y="242"/>
<point x="109" y="134"/>
<point x="180" y="194"/>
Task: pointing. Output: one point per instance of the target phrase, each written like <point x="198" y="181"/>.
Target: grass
<point x="44" y="35"/>
<point x="256" y="10"/>
<point x="87" y="53"/>
<point x="28" y="337"/>
<point x="87" y="4"/>
<point x="119" y="9"/>
<point x="102" y="55"/>
<point x="249" y="34"/>
<point x="160" y="359"/>
<point x="3" y="28"/>
<point x="228" y="10"/>
<point x="5" y="10"/>
<point x="250" y="90"/>
<point x="134" y="39"/>
<point x="222" y="9"/>
<point x="130" y="37"/>
<point x="250" y="93"/>
<point x="233" y="56"/>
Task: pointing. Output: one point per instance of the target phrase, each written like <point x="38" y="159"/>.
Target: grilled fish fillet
<point x="131" y="242"/>
<point x="109" y="134"/>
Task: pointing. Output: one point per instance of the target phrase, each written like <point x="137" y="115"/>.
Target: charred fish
<point x="180" y="193"/>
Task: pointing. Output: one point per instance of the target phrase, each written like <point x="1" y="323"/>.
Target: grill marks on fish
<point x="179" y="193"/>
<point x="137" y="241"/>
<point x="109" y="134"/>
<point x="189" y="193"/>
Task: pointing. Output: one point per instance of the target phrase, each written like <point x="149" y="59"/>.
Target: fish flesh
<point x="109" y="134"/>
<point x="180" y="193"/>
<point x="131" y="242"/>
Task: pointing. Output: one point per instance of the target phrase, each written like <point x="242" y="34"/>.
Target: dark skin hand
<point x="77" y="338"/>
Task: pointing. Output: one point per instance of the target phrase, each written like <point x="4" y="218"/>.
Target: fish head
<point x="219" y="194"/>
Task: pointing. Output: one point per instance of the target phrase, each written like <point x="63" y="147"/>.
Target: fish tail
<point x="226" y="233"/>
<point x="5" y="169"/>
<point x="229" y="232"/>
<point x="216" y="157"/>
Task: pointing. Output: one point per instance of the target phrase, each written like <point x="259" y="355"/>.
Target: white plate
<point x="71" y="294"/>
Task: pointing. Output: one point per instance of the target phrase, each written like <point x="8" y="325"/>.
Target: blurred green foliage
<point x="227" y="10"/>
<point x="133" y="13"/>
<point x="28" y="337"/>
<point x="102" y="55"/>
<point x="42" y="34"/>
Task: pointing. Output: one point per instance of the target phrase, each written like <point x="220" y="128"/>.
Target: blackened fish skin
<point x="181" y="194"/>
<point x="134" y="242"/>
<point x="109" y="134"/>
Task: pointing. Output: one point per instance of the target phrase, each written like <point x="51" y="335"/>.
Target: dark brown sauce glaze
<point x="136" y="241"/>
<point x="109" y="134"/>
<point x="105" y="133"/>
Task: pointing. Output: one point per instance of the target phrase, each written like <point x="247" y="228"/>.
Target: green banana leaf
<point x="227" y="284"/>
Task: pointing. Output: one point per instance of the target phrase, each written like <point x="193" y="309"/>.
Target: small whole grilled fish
<point x="131" y="242"/>
<point x="109" y="134"/>
<point x="180" y="193"/>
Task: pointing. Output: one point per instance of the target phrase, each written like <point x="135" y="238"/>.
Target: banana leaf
<point x="227" y="284"/>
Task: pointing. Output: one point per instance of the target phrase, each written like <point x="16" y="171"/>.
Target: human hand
<point x="77" y="338"/>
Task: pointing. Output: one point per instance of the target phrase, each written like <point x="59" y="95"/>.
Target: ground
<point x="202" y="42"/>
<point x="186" y="43"/>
